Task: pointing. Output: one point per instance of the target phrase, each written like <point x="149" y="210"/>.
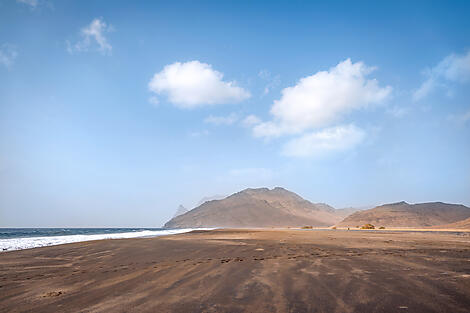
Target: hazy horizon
<point x="112" y="114"/>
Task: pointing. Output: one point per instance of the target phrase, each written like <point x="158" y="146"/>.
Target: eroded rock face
<point x="402" y="214"/>
<point x="261" y="207"/>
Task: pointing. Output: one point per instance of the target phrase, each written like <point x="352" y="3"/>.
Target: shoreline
<point x="176" y="231"/>
<point x="22" y="243"/>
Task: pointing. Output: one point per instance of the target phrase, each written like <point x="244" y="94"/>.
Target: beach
<point x="244" y="270"/>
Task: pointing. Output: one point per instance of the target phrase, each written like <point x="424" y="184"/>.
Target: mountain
<point x="215" y="197"/>
<point x="345" y="212"/>
<point x="260" y="207"/>
<point x="402" y="214"/>
<point x="463" y="224"/>
<point x="180" y="211"/>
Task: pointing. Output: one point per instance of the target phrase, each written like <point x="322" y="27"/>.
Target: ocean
<point x="26" y="238"/>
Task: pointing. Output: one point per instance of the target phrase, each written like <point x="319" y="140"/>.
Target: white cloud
<point x="251" y="120"/>
<point x="195" y="84"/>
<point x="93" y="33"/>
<point x="321" y="143"/>
<point x="221" y="120"/>
<point x="454" y="68"/>
<point x="8" y="55"/>
<point x="323" y="98"/>
<point x="32" y="3"/>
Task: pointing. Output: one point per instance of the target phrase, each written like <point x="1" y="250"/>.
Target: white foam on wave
<point x="34" y="242"/>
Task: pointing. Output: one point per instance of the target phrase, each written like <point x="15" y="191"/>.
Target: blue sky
<point x="114" y="113"/>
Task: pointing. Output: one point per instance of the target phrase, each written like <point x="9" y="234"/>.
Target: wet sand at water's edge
<point x="244" y="271"/>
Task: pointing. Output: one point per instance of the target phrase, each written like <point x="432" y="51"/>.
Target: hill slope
<point x="402" y="214"/>
<point x="463" y="224"/>
<point x="261" y="207"/>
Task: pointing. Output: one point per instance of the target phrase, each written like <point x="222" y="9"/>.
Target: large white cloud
<point x="194" y="84"/>
<point x="323" y="98"/>
<point x="453" y="68"/>
<point x="324" y="142"/>
<point x="93" y="33"/>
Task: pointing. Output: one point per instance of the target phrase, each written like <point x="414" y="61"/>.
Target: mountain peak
<point x="258" y="207"/>
<point x="399" y="203"/>
<point x="180" y="211"/>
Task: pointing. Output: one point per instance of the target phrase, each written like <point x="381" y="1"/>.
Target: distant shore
<point x="245" y="270"/>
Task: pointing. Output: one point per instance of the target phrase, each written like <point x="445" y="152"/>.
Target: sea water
<point x="26" y="238"/>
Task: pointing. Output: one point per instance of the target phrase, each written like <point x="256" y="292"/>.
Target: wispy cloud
<point x="324" y="142"/>
<point x="31" y="3"/>
<point x="398" y="111"/>
<point x="461" y="118"/>
<point x="272" y="80"/>
<point x="8" y="54"/>
<point x="251" y="120"/>
<point x="92" y="35"/>
<point x="454" y="68"/>
<point x="154" y="100"/>
<point x="201" y="133"/>
<point x="221" y="120"/>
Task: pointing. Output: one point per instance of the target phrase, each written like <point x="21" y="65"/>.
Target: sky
<point x="113" y="113"/>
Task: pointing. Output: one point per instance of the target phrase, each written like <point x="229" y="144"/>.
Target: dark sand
<point x="244" y="271"/>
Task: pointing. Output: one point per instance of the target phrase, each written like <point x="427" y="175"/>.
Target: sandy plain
<point x="229" y="270"/>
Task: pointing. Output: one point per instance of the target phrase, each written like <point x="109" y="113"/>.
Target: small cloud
<point x="264" y="74"/>
<point x="196" y="134"/>
<point x="8" y="55"/>
<point x="251" y="120"/>
<point x="462" y="118"/>
<point x="92" y="34"/>
<point x="273" y="81"/>
<point x="31" y="3"/>
<point x="322" y="98"/>
<point x="221" y="120"/>
<point x="454" y="68"/>
<point x="154" y="100"/>
<point x="324" y="142"/>
<point x="195" y="84"/>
